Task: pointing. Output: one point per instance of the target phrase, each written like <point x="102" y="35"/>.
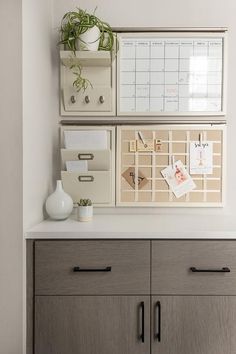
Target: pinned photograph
<point x="178" y="179"/>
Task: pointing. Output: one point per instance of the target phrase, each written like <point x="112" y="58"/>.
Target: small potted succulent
<point x="81" y="30"/>
<point x="85" y="210"/>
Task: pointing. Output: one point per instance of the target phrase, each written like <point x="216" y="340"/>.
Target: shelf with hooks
<point x="87" y="58"/>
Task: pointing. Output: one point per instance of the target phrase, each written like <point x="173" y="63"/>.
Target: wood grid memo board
<point x="168" y="141"/>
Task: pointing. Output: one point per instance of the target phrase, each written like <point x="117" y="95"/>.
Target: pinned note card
<point x="178" y="179"/>
<point x="130" y="176"/>
<point x="86" y="139"/>
<point x="201" y="157"/>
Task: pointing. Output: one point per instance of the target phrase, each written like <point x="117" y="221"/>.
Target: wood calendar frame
<point x="175" y="116"/>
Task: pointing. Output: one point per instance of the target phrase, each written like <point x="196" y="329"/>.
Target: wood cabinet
<point x="194" y="324"/>
<point x="194" y="267"/>
<point x="92" y="267"/>
<point x="92" y="324"/>
<point x="131" y="296"/>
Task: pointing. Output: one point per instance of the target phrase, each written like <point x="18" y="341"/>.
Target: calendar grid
<point x="171" y="75"/>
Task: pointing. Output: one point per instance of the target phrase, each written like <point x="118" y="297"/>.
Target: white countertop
<point x="138" y="227"/>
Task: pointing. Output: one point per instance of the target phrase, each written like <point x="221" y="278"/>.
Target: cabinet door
<point x="92" y="325"/>
<point x="194" y="324"/>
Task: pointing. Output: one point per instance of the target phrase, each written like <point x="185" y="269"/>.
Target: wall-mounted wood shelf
<point x="87" y="58"/>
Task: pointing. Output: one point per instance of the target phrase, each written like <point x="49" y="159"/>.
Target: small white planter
<point x="89" y="40"/>
<point x="85" y="213"/>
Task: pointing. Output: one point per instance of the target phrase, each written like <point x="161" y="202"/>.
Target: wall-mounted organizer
<point x="164" y="75"/>
<point x="172" y="74"/>
<point x="144" y="151"/>
<point x="97" y="67"/>
<point x="88" y="163"/>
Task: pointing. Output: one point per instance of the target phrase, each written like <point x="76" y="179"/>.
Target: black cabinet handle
<point x="221" y="270"/>
<point x="142" y="322"/>
<point x="157" y="333"/>
<point x="78" y="269"/>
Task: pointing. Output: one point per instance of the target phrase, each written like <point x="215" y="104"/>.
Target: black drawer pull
<point x="86" y="178"/>
<point x="78" y="269"/>
<point x="222" y="270"/>
<point x="86" y="156"/>
<point x="142" y="335"/>
<point x="157" y="334"/>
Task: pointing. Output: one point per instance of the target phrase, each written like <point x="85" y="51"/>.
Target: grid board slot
<point x="175" y="141"/>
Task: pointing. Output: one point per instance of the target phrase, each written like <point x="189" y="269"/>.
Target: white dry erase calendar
<point x="171" y="74"/>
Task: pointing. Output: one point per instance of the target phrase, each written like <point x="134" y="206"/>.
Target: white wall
<point x="172" y="13"/>
<point x="11" y="233"/>
<point x="39" y="130"/>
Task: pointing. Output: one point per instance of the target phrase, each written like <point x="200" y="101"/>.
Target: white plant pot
<point x="59" y="204"/>
<point x="89" y="40"/>
<point x="85" y="213"/>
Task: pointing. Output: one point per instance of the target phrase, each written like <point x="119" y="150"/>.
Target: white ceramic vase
<point x="85" y="213"/>
<point x="59" y="204"/>
<point x="89" y="40"/>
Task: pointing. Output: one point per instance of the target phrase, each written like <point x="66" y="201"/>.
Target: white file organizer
<point x="98" y="184"/>
<point x="174" y="140"/>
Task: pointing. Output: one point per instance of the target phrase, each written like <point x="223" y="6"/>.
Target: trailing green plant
<point x="80" y="82"/>
<point x="75" y="23"/>
<point x="85" y="202"/>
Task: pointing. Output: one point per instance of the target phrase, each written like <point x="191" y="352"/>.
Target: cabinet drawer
<point x="92" y="267"/>
<point x="97" y="160"/>
<point x="194" y="267"/>
<point x="95" y="185"/>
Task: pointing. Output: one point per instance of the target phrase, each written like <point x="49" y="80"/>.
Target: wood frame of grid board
<point x="175" y="142"/>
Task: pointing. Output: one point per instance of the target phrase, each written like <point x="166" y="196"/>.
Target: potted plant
<point x="85" y="210"/>
<point x="81" y="30"/>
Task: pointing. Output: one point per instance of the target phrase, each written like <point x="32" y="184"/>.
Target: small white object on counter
<point x="85" y="213"/>
<point x="59" y="204"/>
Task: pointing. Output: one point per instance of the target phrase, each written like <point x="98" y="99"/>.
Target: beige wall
<point x="38" y="125"/>
<point x="11" y="234"/>
<point x="173" y="13"/>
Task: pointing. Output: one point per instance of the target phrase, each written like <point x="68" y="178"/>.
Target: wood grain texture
<point x="54" y="262"/>
<point x="91" y="325"/>
<point x="195" y="325"/>
<point x="171" y="262"/>
<point x="30" y="296"/>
